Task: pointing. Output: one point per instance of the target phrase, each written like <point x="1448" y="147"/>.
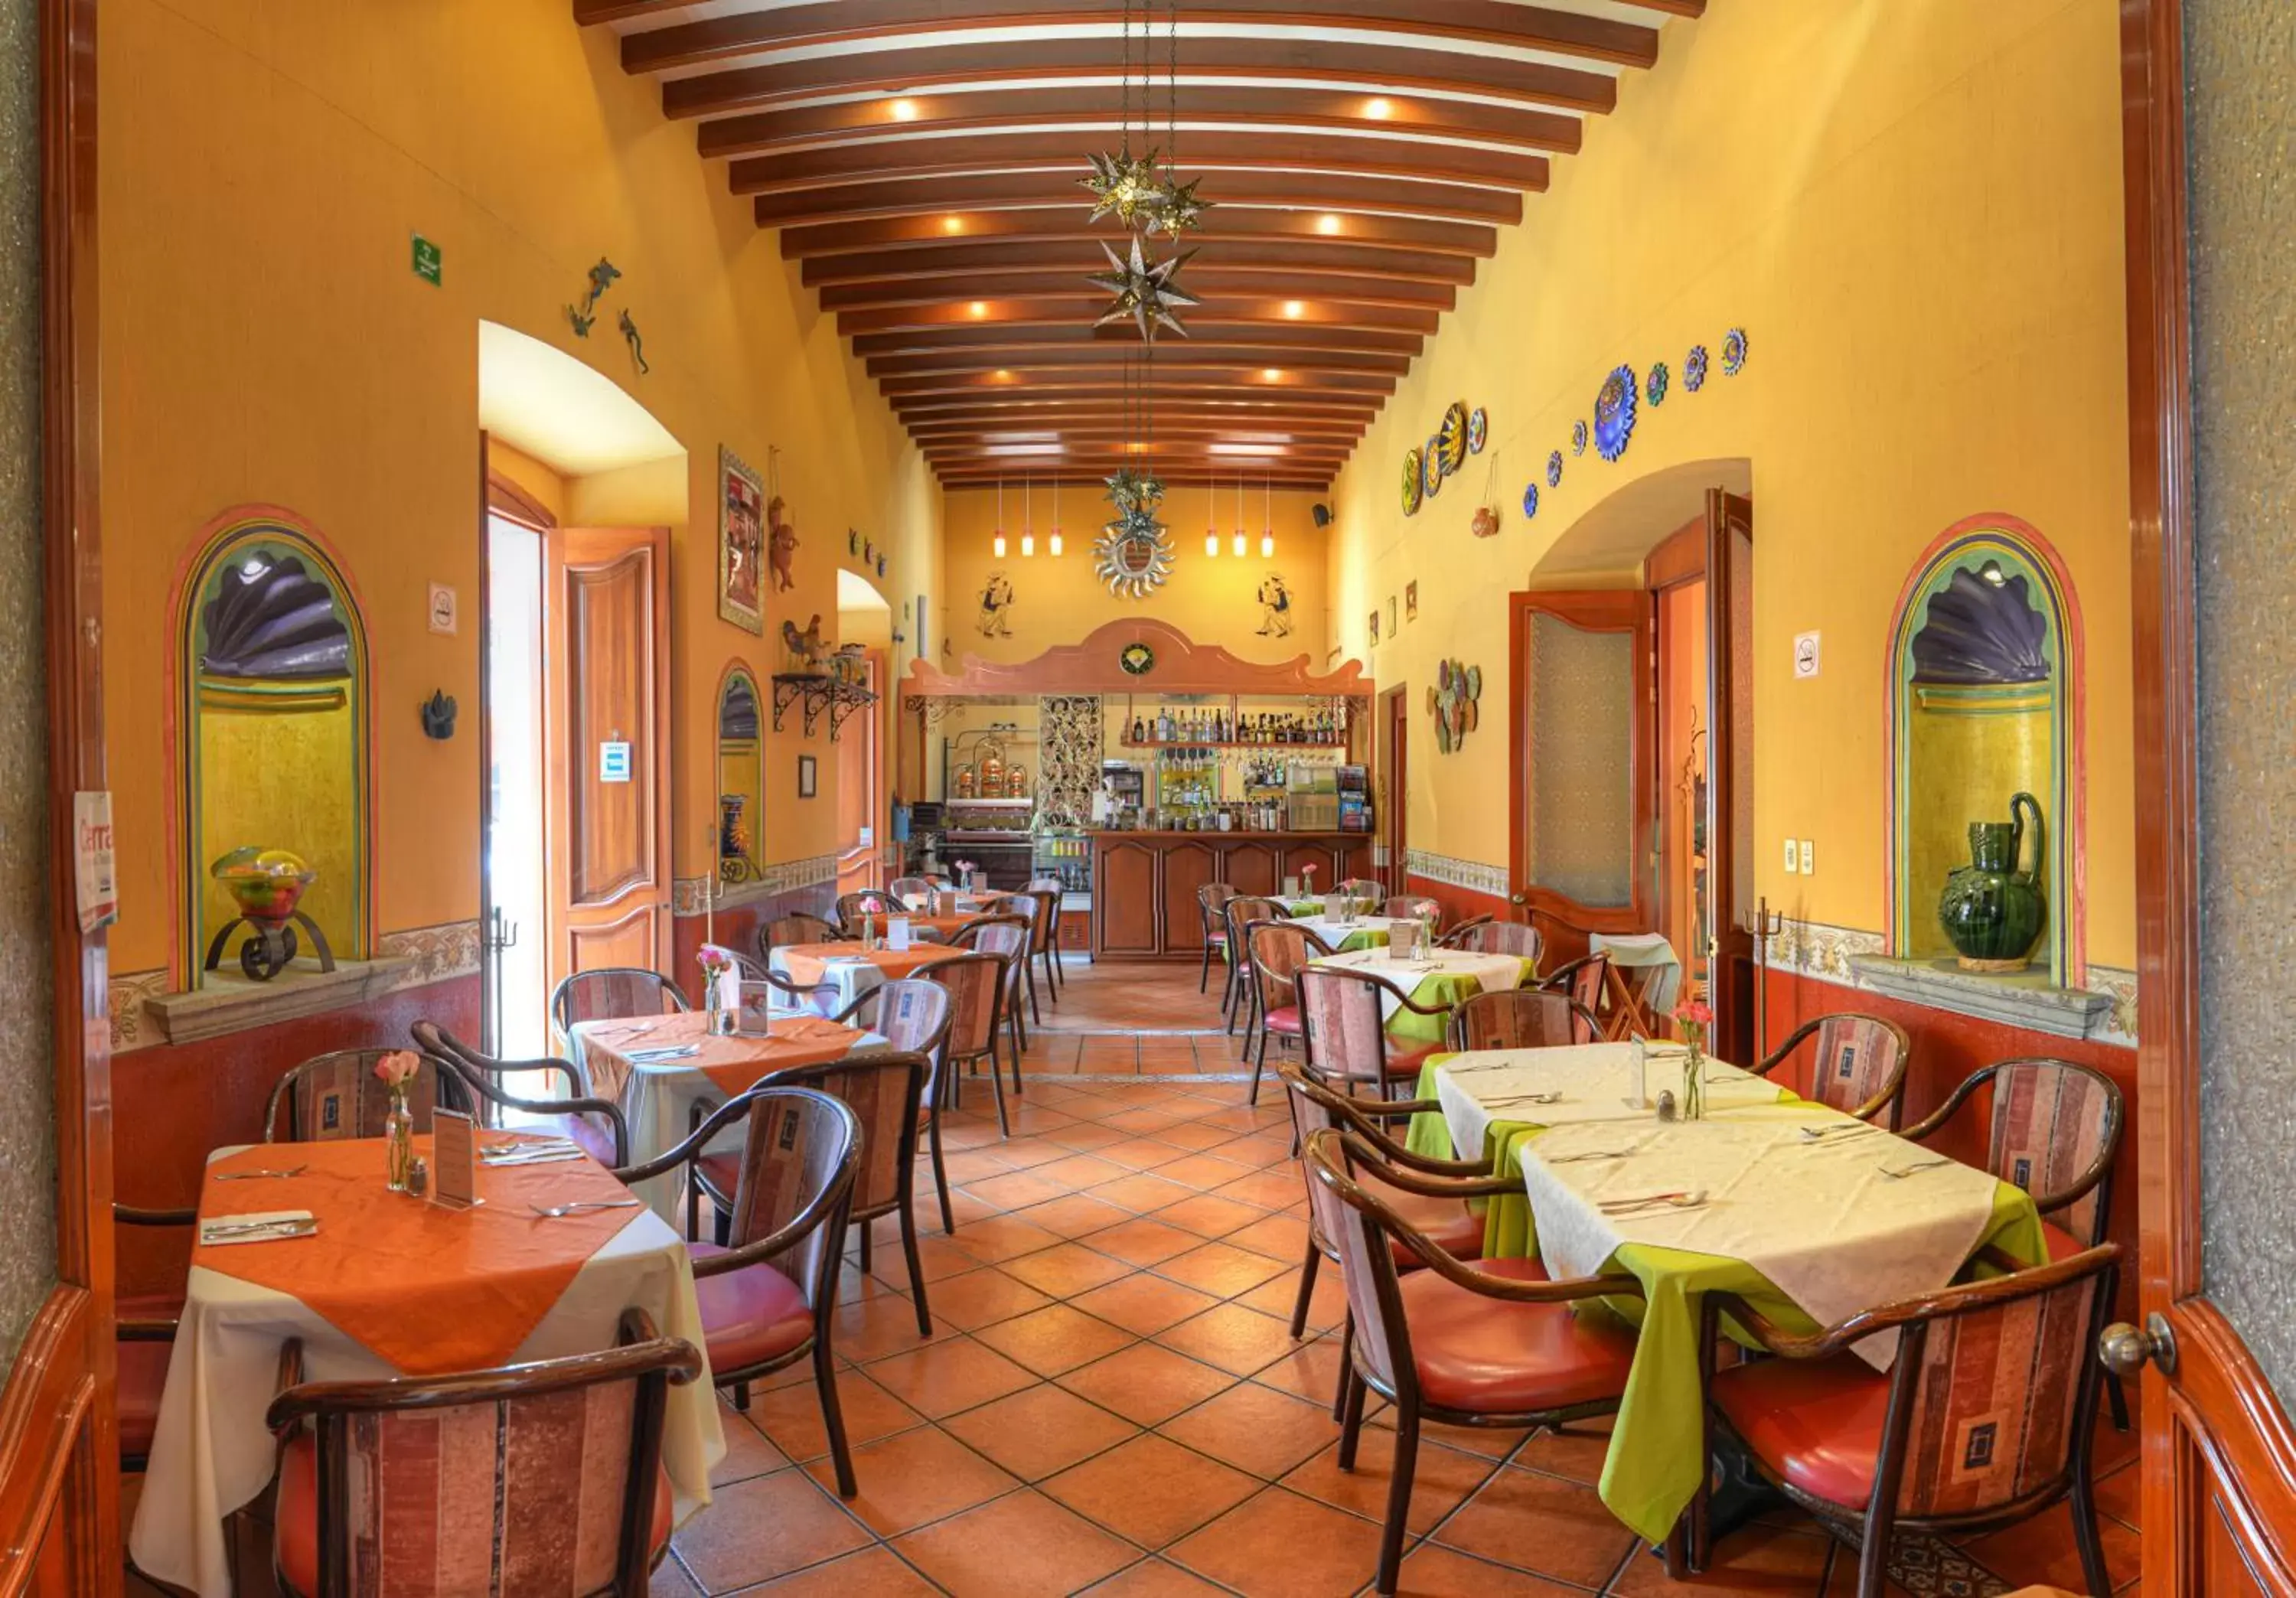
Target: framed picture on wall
<point x="806" y="777"/>
<point x="741" y="544"/>
<point x="1374" y="629"/>
<point x="1411" y="600"/>
<point x="1392" y="630"/>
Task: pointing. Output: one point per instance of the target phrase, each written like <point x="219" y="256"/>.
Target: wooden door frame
<point x="1730" y="946"/>
<point x="2216" y="1435"/>
<point x="1391" y="738"/>
<point x="501" y="498"/>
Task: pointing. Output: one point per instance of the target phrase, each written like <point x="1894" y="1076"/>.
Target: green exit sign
<point x="427" y="265"/>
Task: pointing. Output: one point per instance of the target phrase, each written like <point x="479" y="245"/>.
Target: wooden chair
<point x="1037" y="912"/>
<point x="611" y="993"/>
<point x="1008" y="938"/>
<point x="903" y="888"/>
<point x="1345" y="1028"/>
<point x="769" y="1298"/>
<point x="1237" y="915"/>
<point x="1860" y="1068"/>
<point x="1522" y="1018"/>
<point x="1049" y="891"/>
<point x="977" y="985"/>
<point x="1984" y="1418"/>
<point x="1209" y="897"/>
<point x="575" y="1441"/>
<point x="1493" y="1345"/>
<point x="1487" y="936"/>
<point x="145" y="1335"/>
<point x="1583" y="979"/>
<point x="2055" y="1131"/>
<point x="1416" y="906"/>
<point x="337" y="1094"/>
<point x="885" y="1090"/>
<point x="761" y="985"/>
<point x="1362" y="888"/>
<point x="594" y="1125"/>
<point x="798" y="926"/>
<point x="867" y="901"/>
<point x="1277" y="950"/>
<point x="912" y="1016"/>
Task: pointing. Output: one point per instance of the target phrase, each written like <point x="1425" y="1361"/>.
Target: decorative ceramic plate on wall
<point x="1530" y="500"/>
<point x="1412" y="489"/>
<point x="1430" y="468"/>
<point x="1734" y="351"/>
<point x="1694" y="369"/>
<point x="1614" y="413"/>
<point x="1479" y="431"/>
<point x="1452" y="436"/>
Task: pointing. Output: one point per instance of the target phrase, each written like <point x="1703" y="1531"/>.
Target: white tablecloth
<point x="843" y="980"/>
<point x="658" y="1101"/>
<point x="212" y="1454"/>
<point x="1818" y="1219"/>
<point x="1494" y="972"/>
<point x="1650" y="955"/>
<point x="1337" y="932"/>
<point x="1475" y="1087"/>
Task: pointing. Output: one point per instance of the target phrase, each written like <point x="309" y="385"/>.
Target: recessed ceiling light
<point x="1270" y="374"/>
<point x="1295" y="309"/>
<point x="905" y="111"/>
<point x="978" y="309"/>
<point x="1378" y="108"/>
<point x="952" y="225"/>
<point x="1327" y="224"/>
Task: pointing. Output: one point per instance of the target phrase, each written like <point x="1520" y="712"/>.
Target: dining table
<point x="845" y="970"/>
<point x="305" y="1242"/>
<point x="660" y="1067"/>
<point x="1347" y="935"/>
<point x="1806" y="1214"/>
<point x="1439" y="981"/>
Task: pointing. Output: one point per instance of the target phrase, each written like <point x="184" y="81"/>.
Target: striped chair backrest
<point x="2053" y="1120"/>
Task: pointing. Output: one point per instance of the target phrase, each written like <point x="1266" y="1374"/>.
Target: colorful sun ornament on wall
<point x="1530" y="500"/>
<point x="1554" y="469"/>
<point x="1654" y="384"/>
<point x="1453" y="438"/>
<point x="1614" y="413"/>
<point x="1414" y="490"/>
<point x="1694" y="369"/>
<point x="1734" y="351"/>
<point x="1579" y="436"/>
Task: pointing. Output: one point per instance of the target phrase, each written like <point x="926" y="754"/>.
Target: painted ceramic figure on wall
<point x="741" y="544"/>
<point x="780" y="544"/>
<point x="1275" y="607"/>
<point x="995" y="619"/>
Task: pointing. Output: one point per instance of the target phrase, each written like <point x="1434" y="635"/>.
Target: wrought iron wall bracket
<point x="844" y="699"/>
<point x="814" y="688"/>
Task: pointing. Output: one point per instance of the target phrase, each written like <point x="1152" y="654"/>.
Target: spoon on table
<point x="554" y="1210"/>
<point x="1899" y="1172"/>
<point x="1527" y="1098"/>
<point x="1689" y="1200"/>
<point x="1838" y="1129"/>
<point x="292" y="1170"/>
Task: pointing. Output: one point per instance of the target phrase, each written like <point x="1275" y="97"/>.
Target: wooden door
<point x="1392" y="799"/>
<point x="861" y="809"/>
<point x="1584" y="739"/>
<point x="1250" y="868"/>
<point x="2211" y="525"/>
<point x="1124" y="899"/>
<point x="1730" y="773"/>
<point x="1187" y="866"/>
<point x="608" y="593"/>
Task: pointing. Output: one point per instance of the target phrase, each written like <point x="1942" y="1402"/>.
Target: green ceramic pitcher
<point x="1992" y="911"/>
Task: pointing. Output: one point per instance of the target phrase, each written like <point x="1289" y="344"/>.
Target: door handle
<point x="2127" y="1350"/>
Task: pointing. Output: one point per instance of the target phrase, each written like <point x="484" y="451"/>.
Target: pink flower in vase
<point x="397" y="1068"/>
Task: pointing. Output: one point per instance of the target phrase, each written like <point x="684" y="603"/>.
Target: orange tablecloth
<point x="807" y="962"/>
<point x="946" y="925"/>
<point x="734" y="1065"/>
<point x="429" y="1289"/>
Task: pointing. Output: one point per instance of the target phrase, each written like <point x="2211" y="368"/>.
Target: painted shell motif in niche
<point x="1982" y="627"/>
<point x="1614" y="413"/>
<point x="1694" y="369"/>
<point x="271" y="618"/>
<point x="1452" y="437"/>
<point x="1411" y="485"/>
<point x="1479" y="431"/>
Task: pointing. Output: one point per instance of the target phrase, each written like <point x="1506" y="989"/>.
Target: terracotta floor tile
<point x="1195" y="1135"/>
<point x="1274" y="1188"/>
<point x="980" y="1296"/>
<point x="1137" y="1153"/>
<point x="1474" y="1439"/>
<point x="1433" y="1571"/>
<point x="1220" y="1269"/>
<point x="1441" y="1482"/>
<point x="2116" y="1495"/>
<point x="1307" y="1370"/>
<point x="747" y="1453"/>
<point x="1759" y="1562"/>
<point x="2040" y="1551"/>
<point x="1146" y="1120"/>
<point x="1028" y="1153"/>
<point x="1016" y="1190"/>
<point x="1104" y="1052"/>
<point x="1282" y="1237"/>
<point x="1255" y="1429"/>
<point x="1576" y="1451"/>
<point x="962" y="1166"/>
<point x="939" y="1255"/>
<point x="1055" y="1339"/>
<point x="916" y="1478"/>
<point x="872" y="1573"/>
<point x="945" y="1378"/>
<point x="1236" y="1339"/>
<point x="791" y="1416"/>
<point x="1327" y="1305"/>
<point x="1143" y="1303"/>
<point x="1182" y="1049"/>
<point x="1142" y="1192"/>
<point x="1082" y="1171"/>
<point x="1150" y="1490"/>
<point x="1203" y="1172"/>
<point x="1066" y="1269"/>
<point x="1075" y="1215"/>
<point x="1281" y="1545"/>
<point x="1208" y="1217"/>
<point x="1144" y="1241"/>
<point x="1022" y="1545"/>
<point x="667" y="1580"/>
<point x="756" y="1530"/>
<point x="1153" y="1579"/>
<point x="1145" y="1383"/>
<point x="1003" y="1237"/>
<point x="1089" y="1139"/>
<point x="1549" y="1526"/>
<point x="1040" y="1431"/>
<point x="882" y="1326"/>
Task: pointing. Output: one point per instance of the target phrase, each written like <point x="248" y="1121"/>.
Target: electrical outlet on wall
<point x="1793" y="857"/>
<point x="1808" y="857"/>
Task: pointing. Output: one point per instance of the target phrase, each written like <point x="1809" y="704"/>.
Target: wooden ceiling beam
<point x="661" y="12"/>
<point x="1273" y="59"/>
<point x="1170" y="421"/>
<point x="1052" y="380"/>
<point x="996" y="261"/>
<point x="1379" y="354"/>
<point x="1230" y="401"/>
<point x="890" y="25"/>
<point x="1052" y="191"/>
<point x="1022" y="318"/>
<point x="1220" y="226"/>
<point x="1207" y="153"/>
<point x="1075" y="109"/>
<point x="1179" y="474"/>
<point x="1213" y="282"/>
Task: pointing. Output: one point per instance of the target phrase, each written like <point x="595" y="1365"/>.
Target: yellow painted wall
<point x="264" y="162"/>
<point x="1915" y="212"/>
<point x="1060" y="601"/>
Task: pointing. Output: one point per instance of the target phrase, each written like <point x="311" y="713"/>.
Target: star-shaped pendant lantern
<point x="1127" y="187"/>
<point x="1135" y="492"/>
<point x="1178" y="211"/>
<point x="1144" y="290"/>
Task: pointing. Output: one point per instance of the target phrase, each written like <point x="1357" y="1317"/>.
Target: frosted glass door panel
<point x="1579" y="709"/>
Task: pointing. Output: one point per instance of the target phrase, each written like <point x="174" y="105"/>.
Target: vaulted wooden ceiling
<point x="924" y="159"/>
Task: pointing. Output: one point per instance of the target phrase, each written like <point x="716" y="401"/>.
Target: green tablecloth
<point x="1654" y="1463"/>
<point x="1441" y="989"/>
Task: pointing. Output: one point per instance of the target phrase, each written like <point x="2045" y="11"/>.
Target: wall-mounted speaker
<point x="1323" y="514"/>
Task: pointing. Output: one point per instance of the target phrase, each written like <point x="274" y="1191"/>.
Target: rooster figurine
<point x="805" y="648"/>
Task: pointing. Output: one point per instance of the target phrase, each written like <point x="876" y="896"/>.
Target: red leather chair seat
<point x="1405" y="1058"/>
<point x="749" y="1315"/>
<point x="1816" y="1422"/>
<point x="143" y="1374"/>
<point x="298" y="1514"/>
<point x="1494" y="1358"/>
<point x="721" y="1173"/>
<point x="2061" y="1243"/>
<point x="1448" y="1222"/>
<point x="1286" y="1019"/>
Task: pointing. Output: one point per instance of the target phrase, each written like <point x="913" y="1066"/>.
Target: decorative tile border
<point x="782" y="876"/>
<point x="1473" y="875"/>
<point x="439" y="953"/>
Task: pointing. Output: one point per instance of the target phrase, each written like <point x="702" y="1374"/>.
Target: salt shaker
<point x="418" y="1178"/>
<point x="1666" y="1104"/>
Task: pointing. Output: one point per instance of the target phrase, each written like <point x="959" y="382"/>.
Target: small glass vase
<point x="1694" y="1079"/>
<point x="398" y="1143"/>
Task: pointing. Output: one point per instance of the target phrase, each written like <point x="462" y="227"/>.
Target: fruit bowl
<point x="266" y="884"/>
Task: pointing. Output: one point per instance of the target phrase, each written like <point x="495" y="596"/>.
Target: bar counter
<point x="1143" y="884"/>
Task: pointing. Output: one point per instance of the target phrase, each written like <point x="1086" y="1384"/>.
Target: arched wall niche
<point x="270" y="702"/>
<point x="1986" y="701"/>
<point x="741" y="775"/>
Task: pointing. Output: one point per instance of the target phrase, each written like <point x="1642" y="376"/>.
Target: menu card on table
<point x="896" y="933"/>
<point x="454" y="1159"/>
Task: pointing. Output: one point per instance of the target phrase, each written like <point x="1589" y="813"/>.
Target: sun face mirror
<point x="1134" y="561"/>
<point x="741" y="778"/>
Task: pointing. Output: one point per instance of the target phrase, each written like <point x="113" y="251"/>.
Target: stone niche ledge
<point x="230" y="1003"/>
<point x="2026" y="999"/>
